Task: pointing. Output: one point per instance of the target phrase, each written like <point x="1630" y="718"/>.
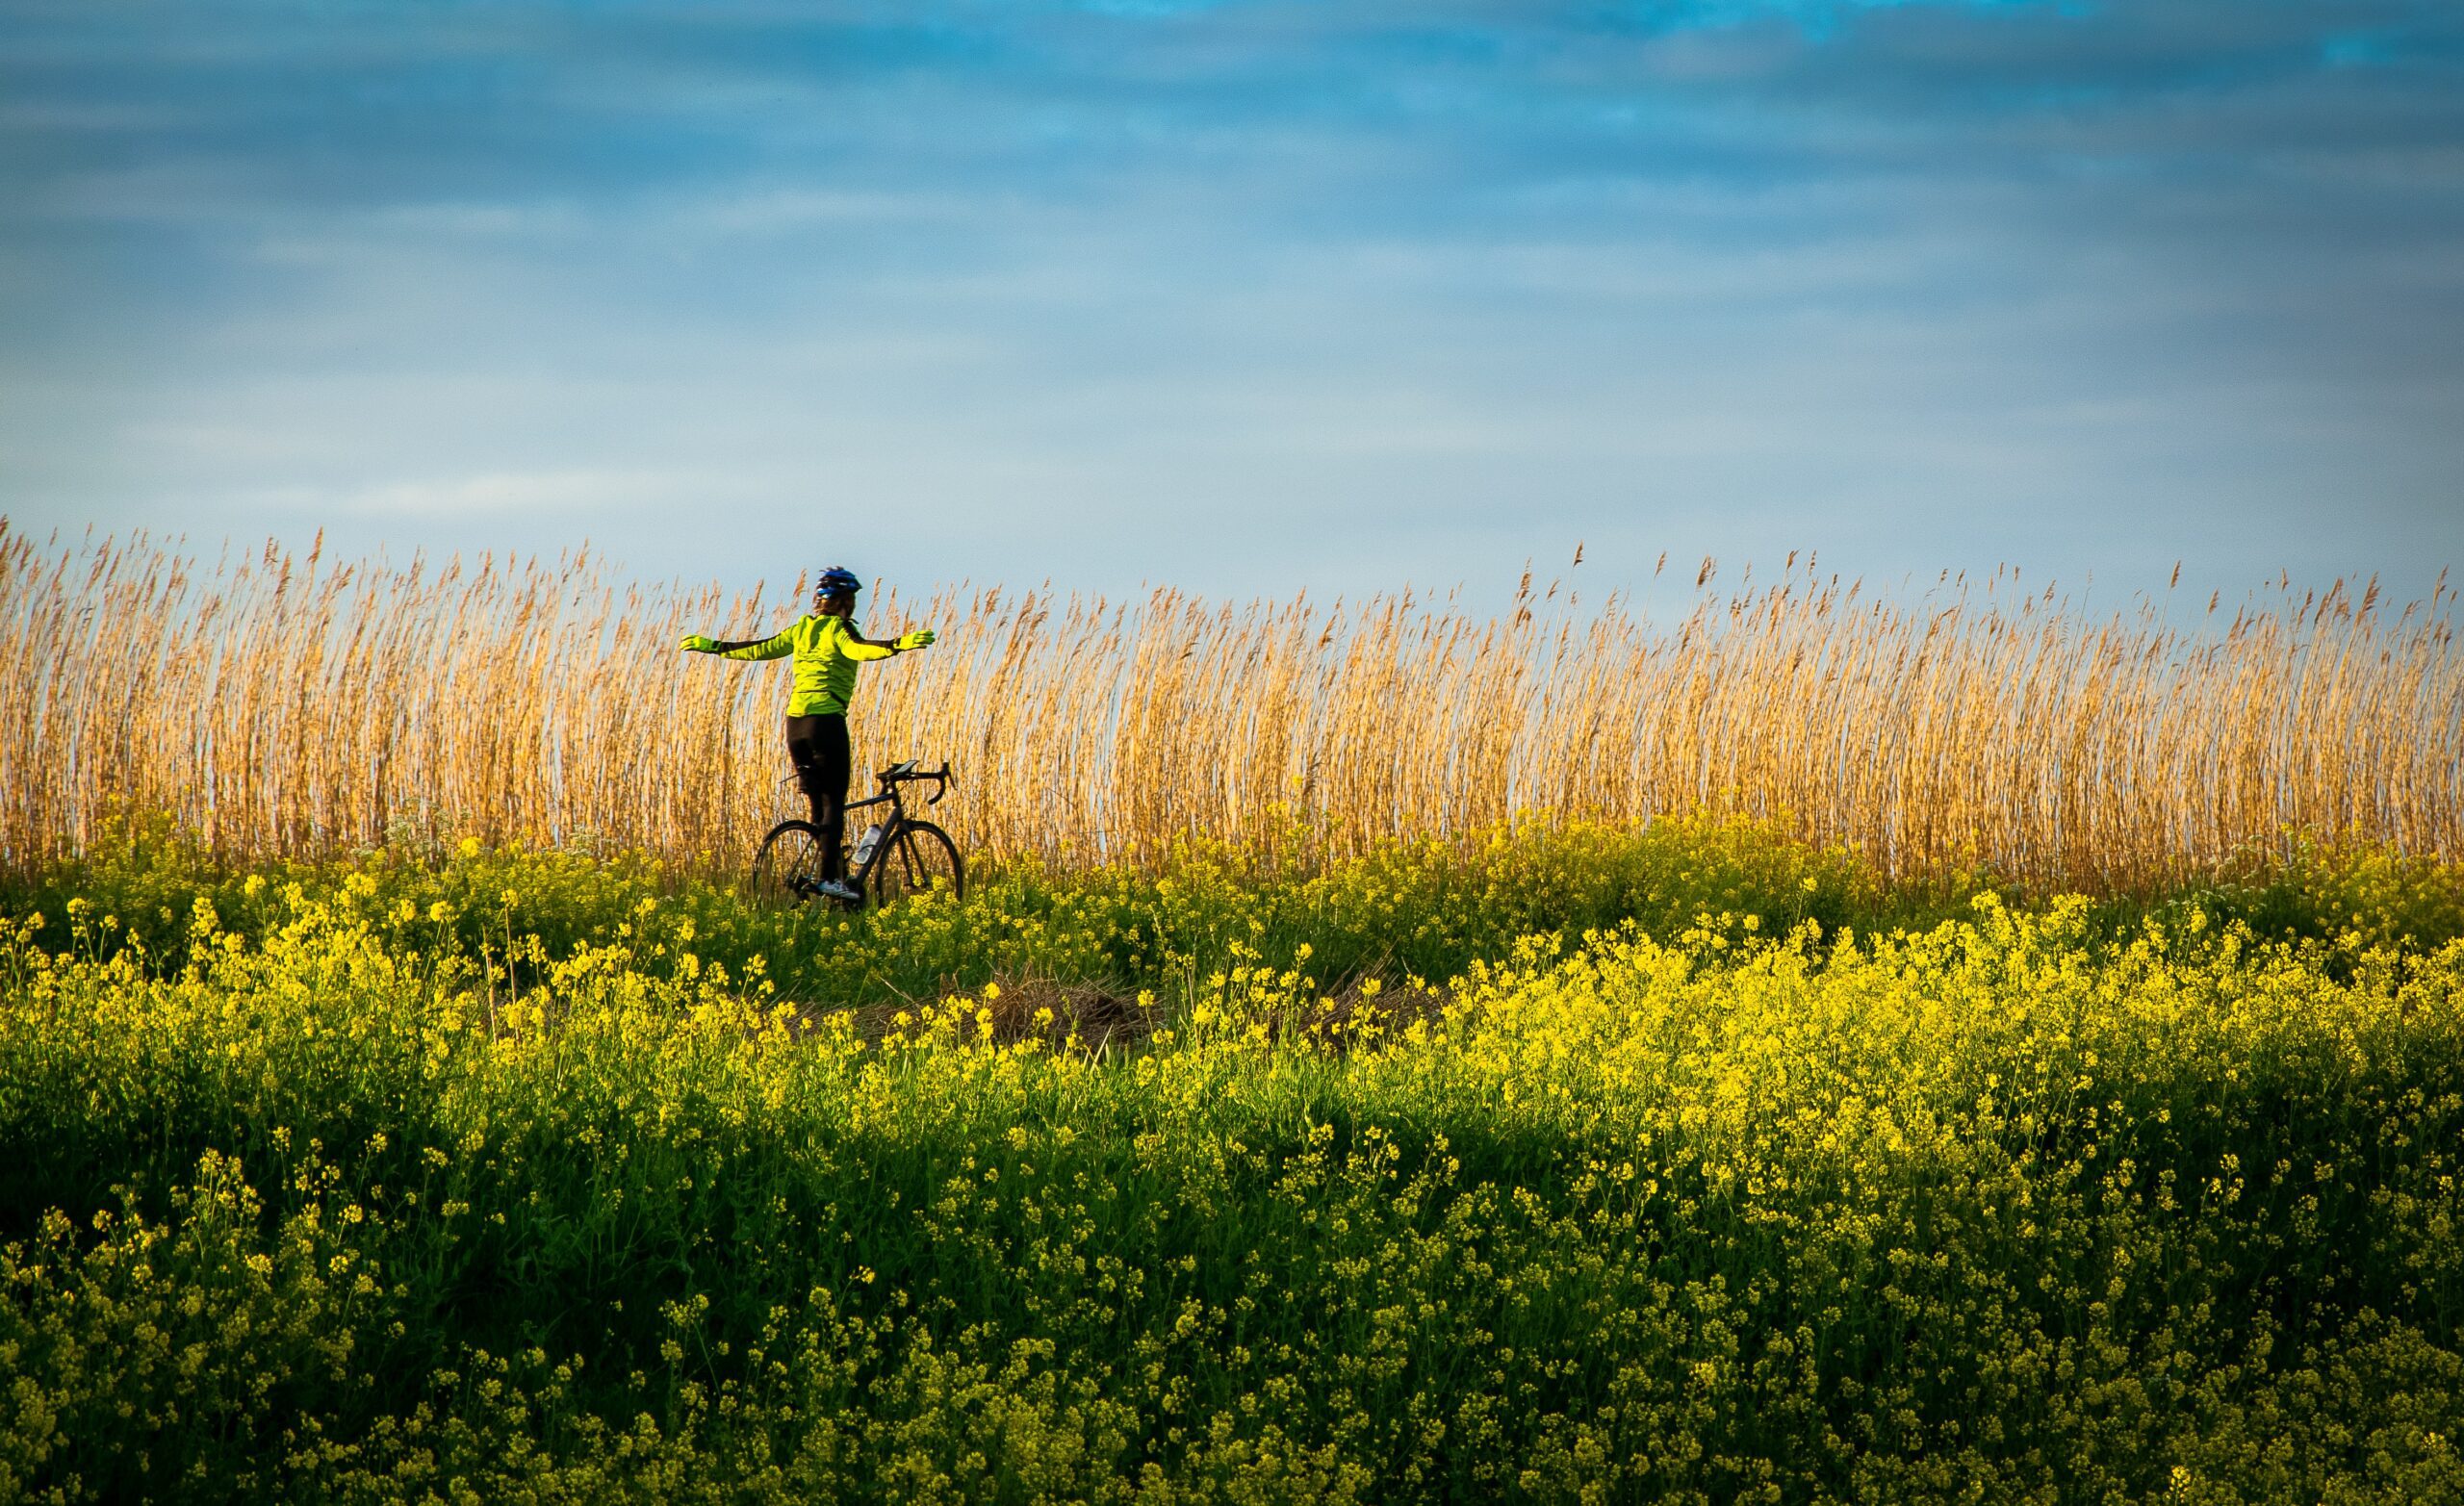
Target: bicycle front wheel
<point x="789" y="865"/>
<point x="921" y="860"/>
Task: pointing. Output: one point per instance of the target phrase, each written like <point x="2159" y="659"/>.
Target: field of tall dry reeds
<point x="282" y="703"/>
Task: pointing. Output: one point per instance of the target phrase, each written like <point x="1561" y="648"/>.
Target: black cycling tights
<point x="818" y="746"/>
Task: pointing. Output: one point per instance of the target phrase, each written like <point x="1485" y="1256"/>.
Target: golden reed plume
<point x="279" y="704"/>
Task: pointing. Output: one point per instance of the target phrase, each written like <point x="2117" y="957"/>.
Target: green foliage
<point x="505" y="1176"/>
<point x="1418" y="909"/>
<point x="2352" y="897"/>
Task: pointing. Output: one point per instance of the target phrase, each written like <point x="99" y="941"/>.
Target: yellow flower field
<point x="484" y="1176"/>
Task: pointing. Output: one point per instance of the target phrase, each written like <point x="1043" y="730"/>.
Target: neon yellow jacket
<point x="827" y="655"/>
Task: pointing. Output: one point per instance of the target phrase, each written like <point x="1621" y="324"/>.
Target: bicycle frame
<point x="910" y="837"/>
<point x="858" y="873"/>
<point x="787" y="864"/>
<point x="891" y="778"/>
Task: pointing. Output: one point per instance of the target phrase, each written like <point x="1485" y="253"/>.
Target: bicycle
<point x="894" y="857"/>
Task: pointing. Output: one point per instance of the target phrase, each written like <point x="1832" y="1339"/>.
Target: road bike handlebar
<point x="899" y="773"/>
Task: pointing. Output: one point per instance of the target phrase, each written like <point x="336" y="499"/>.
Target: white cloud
<point x="1184" y="302"/>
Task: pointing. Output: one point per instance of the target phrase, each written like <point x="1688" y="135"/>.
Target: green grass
<point x="1706" y="1168"/>
<point x="1426" y="909"/>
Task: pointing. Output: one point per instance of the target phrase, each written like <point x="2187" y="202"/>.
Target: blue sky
<point x="1247" y="297"/>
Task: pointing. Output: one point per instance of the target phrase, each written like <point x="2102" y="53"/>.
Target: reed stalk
<point x="280" y="702"/>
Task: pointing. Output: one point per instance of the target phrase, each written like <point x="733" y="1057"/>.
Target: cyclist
<point x="827" y="648"/>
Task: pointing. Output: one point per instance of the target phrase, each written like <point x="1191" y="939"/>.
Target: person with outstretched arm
<point x="827" y="648"/>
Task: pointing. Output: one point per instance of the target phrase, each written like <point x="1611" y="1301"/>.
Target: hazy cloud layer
<point x="1249" y="296"/>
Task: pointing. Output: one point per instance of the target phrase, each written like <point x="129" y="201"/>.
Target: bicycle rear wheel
<point x="921" y="859"/>
<point x="787" y="866"/>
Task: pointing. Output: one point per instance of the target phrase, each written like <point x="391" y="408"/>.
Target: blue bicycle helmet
<point x="837" y="579"/>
